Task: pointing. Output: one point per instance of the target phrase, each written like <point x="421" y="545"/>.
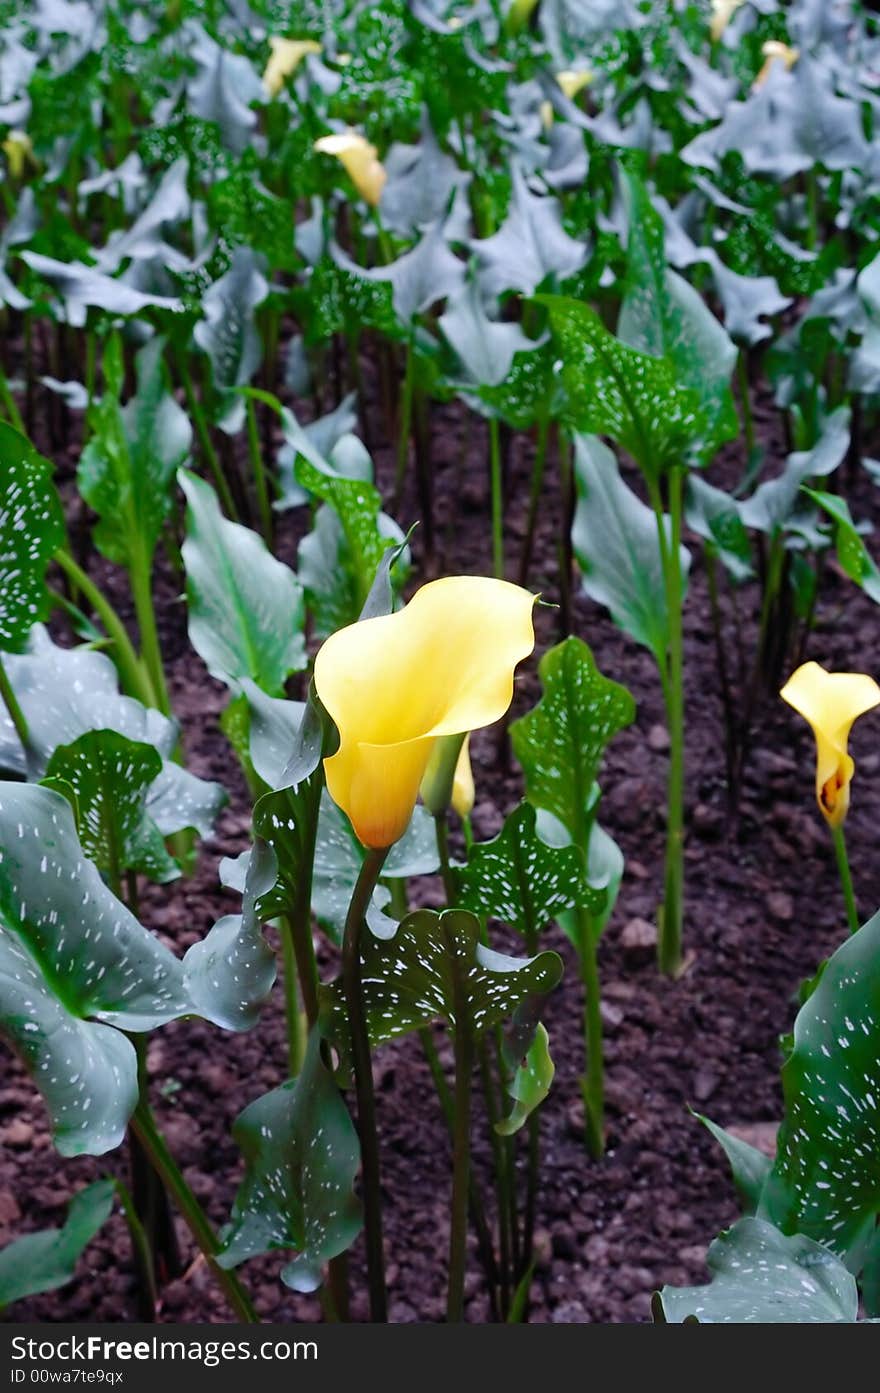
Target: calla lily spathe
<point x="574" y="80"/>
<point x="775" y="51"/>
<point x="394" y="685"/>
<point x="286" y="56"/>
<point x="722" y="13"/>
<point x="360" y="160"/>
<point x="831" y="701"/>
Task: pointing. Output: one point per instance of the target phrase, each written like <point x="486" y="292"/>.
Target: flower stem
<point x="134" y="679"/>
<point x="443" y="853"/>
<point x="259" y="470"/>
<point x="497" y="498"/>
<point x="461" y="1152"/>
<point x="144" y="1125"/>
<point x="142" y="594"/>
<point x="593" y="1081"/>
<point x="538" y="468"/>
<point x="852" y="913"/>
<point x="10" y="701"/>
<point x="672" y="912"/>
<point x="197" y="413"/>
<point x="363" y="1078"/>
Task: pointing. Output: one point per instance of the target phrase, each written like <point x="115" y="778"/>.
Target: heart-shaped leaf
<point x="773" y="502"/>
<point x="612" y="389"/>
<point x="47" y="1260"/>
<point x="521" y="880"/>
<point x="826" y="1179"/>
<point x="855" y="559"/>
<point x="762" y="1277"/>
<point x="246" y="611"/>
<point x="74" y="964"/>
<point x="358" y="505"/>
<point x="230" y="973"/>
<point x="126" y="468"/>
<point x="560" y="742"/>
<point x="228" y="333"/>
<point x="301" y="1156"/>
<point x="412" y="979"/>
<point x="109" y="777"/>
<point x="31" y="530"/>
<point x="531" y="245"/>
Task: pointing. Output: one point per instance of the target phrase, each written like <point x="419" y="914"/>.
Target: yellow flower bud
<point x="831" y="701"/>
<point x="286" y="56"/>
<point x="360" y="161"/>
<point x="463" y="792"/>
<point x="775" y="52"/>
<point x="573" y="81"/>
<point x="722" y="13"/>
<point x="19" y="151"/>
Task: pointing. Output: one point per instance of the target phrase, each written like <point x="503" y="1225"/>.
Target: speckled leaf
<point x="228" y="333"/>
<point x="31" y="529"/>
<point x="246" y="612"/>
<point x="749" y="1166"/>
<point x="109" y="777"/>
<point x="761" y="1277"/>
<point x="274" y="725"/>
<point x="855" y="559"/>
<point x="47" y="1260"/>
<point x="230" y="973"/>
<point x="485" y="347"/>
<point x="328" y="573"/>
<point x="521" y="880"/>
<point x="664" y="316"/>
<point x="715" y="516"/>
<point x="612" y="389"/>
<point x="409" y="980"/>
<point x="530" y="1083"/>
<point x="74" y="963"/>
<point x="826" y="1180"/>
<point x="605" y="867"/>
<point x="127" y="466"/>
<point x="617" y="547"/>
<point x="301" y="1156"/>
<point x="560" y="742"/>
<point x="65" y="692"/>
<point x="358" y="505"/>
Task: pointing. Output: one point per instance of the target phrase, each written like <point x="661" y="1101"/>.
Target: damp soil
<point x="762" y="909"/>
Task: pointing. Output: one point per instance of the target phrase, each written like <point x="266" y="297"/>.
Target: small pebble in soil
<point x="781" y="906"/>
<point x="638" y="938"/>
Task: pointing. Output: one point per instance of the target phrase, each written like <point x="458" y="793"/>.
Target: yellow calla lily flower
<point x="722" y="13"/>
<point x="546" y="114"/>
<point x="394" y="685"/>
<point x="775" y="51"/>
<point x="831" y="701"/>
<point x="573" y="82"/>
<point x="19" y="151"/>
<point x="463" y="791"/>
<point x="519" y="14"/>
<point x="286" y="56"/>
<point x="360" y="160"/>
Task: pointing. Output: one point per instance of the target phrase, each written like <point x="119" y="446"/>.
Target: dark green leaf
<point x="31" y="530"/>
<point x="855" y="559"/>
<point x="521" y="880"/>
<point x="761" y="1277"/>
<point x="530" y="1083"/>
<point x="750" y="1166"/>
<point x="47" y="1260"/>
<point x="301" y="1156"/>
<point x="561" y="741"/>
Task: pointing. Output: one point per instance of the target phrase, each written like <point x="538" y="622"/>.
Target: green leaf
<point x="530" y="1084"/>
<point x="410" y="979"/>
<point x="615" y="390"/>
<point x="715" y="516"/>
<point x="47" y="1260"/>
<point x="358" y="505"/>
<point x="664" y="316"/>
<point x="521" y="880"/>
<point x="230" y="974"/>
<point x="76" y="969"/>
<point x="109" y="777"/>
<point x="126" y="468"/>
<point x="826" y="1179"/>
<point x="771" y="506"/>
<point x="760" y="1276"/>
<point x="228" y="333"/>
<point x="605" y="867"/>
<point x="855" y="559"/>
<point x="617" y="547"/>
<point x="301" y="1156"/>
<point x="31" y="530"/>
<point x="330" y="574"/>
<point x="560" y="742"/>
<point x="246" y="611"/>
<point x="750" y="1166"/>
<point x="66" y="692"/>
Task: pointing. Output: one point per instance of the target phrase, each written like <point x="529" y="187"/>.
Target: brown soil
<point x="763" y="907"/>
